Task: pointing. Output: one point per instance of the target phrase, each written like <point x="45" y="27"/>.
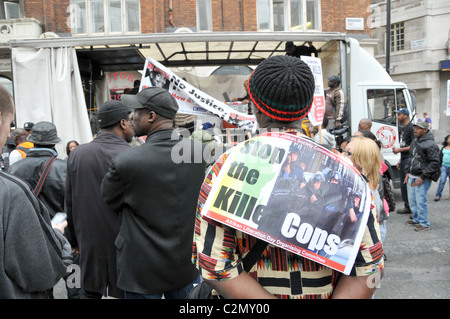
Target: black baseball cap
<point x="153" y="98"/>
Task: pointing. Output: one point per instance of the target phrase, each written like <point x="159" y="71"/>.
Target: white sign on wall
<point x="354" y="23"/>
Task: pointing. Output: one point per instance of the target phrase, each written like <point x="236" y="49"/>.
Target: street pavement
<point x="418" y="263"/>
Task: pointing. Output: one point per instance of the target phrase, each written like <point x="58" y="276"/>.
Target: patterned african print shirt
<point x="218" y="251"/>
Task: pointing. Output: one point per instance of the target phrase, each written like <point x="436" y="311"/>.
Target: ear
<point x="123" y="126"/>
<point x="151" y="116"/>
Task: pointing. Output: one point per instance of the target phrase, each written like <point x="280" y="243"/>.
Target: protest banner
<point x="190" y="99"/>
<point x="193" y="101"/>
<point x="317" y="111"/>
<point x="294" y="194"/>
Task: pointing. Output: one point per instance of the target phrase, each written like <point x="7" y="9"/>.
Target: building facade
<point x="419" y="53"/>
<point x="92" y="17"/>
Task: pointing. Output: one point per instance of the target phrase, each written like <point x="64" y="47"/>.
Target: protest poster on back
<point x="294" y="194"/>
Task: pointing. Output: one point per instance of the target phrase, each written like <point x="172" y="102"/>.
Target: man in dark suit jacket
<point x="94" y="224"/>
<point x="155" y="188"/>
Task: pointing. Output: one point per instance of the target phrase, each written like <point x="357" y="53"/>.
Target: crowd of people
<point x="134" y="224"/>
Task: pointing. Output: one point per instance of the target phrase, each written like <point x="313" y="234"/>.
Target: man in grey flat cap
<point x="44" y="136"/>
<point x="154" y="189"/>
<point x="94" y="224"/>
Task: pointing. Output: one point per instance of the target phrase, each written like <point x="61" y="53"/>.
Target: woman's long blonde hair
<point x="366" y="156"/>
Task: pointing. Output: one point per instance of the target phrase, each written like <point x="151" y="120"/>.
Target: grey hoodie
<point x="33" y="256"/>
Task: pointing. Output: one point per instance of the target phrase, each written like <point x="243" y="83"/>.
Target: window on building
<point x="104" y="16"/>
<point x="12" y="9"/>
<point x="288" y="15"/>
<point x="397" y="36"/>
<point x="204" y="15"/>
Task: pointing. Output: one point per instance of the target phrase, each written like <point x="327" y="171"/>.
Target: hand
<point x="337" y="124"/>
<point x="395" y="150"/>
<point x="406" y="178"/>
<point x="60" y="226"/>
<point x="419" y="181"/>
<point x="353" y="217"/>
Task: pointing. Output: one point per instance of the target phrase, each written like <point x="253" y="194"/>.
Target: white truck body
<point x="371" y="91"/>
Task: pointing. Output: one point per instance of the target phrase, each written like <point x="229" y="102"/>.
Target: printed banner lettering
<point x="317" y="112"/>
<point x="193" y="101"/>
<point x="190" y="99"/>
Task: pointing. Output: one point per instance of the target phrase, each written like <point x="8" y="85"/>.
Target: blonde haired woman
<point x="366" y="157"/>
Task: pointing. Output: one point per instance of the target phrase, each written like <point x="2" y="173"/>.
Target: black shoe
<point x="404" y="211"/>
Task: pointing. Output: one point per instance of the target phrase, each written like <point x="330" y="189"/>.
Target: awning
<point x="181" y="49"/>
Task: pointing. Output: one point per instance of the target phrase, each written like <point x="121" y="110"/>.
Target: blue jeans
<point x="445" y="173"/>
<point x="417" y="196"/>
<point x="172" y="294"/>
<point x="403" y="187"/>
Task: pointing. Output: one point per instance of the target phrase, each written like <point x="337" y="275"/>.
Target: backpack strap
<point x="44" y="174"/>
<point x="253" y="255"/>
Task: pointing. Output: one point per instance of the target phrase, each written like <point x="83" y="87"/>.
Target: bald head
<point x="365" y="124"/>
<point x="6" y="101"/>
<point x="6" y="114"/>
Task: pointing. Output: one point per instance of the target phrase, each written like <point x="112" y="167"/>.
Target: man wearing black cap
<point x="154" y="189"/>
<point x="335" y="102"/>
<point x="281" y="91"/>
<point x="94" y="224"/>
<point x="28" y="126"/>
<point x="406" y="136"/>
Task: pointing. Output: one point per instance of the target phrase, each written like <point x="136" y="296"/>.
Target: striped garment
<point x="219" y="249"/>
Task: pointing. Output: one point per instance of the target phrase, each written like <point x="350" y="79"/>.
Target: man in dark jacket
<point x="406" y="134"/>
<point x="31" y="169"/>
<point x="33" y="256"/>
<point x="44" y="136"/>
<point x="423" y="164"/>
<point x="94" y="224"/>
<point x="155" y="188"/>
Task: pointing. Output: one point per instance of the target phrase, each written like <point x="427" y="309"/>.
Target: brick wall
<point x="334" y="13"/>
<point x="227" y="15"/>
<point x="52" y="13"/>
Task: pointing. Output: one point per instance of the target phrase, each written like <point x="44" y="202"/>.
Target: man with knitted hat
<point x="94" y="225"/>
<point x="281" y="92"/>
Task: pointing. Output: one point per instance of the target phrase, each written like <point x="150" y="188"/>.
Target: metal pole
<point x="388" y="36"/>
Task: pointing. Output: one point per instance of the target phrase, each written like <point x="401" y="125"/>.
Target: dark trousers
<point x="403" y="189"/>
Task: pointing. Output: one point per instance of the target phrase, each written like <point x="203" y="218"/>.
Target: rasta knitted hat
<point x="282" y="87"/>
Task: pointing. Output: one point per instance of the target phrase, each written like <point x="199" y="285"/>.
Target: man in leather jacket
<point x="423" y="164"/>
